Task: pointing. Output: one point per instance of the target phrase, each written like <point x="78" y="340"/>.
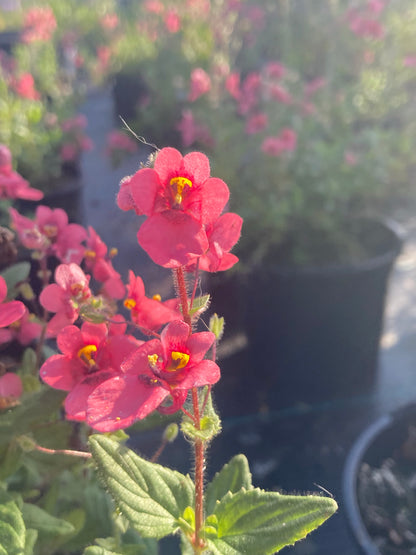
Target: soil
<point x="387" y="492"/>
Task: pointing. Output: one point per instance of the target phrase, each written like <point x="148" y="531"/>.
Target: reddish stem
<point x="70" y="452"/>
<point x="183" y="295"/>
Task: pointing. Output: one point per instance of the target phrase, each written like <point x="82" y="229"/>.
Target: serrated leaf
<point x="151" y="496"/>
<point x="233" y="476"/>
<point x="12" y="527"/>
<point x="31" y="538"/>
<point x="97" y="550"/>
<point x="257" y="522"/>
<point x="46" y="524"/>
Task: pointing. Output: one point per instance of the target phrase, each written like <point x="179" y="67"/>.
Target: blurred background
<point x="307" y="111"/>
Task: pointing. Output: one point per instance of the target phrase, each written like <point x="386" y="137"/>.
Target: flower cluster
<point x="124" y="354"/>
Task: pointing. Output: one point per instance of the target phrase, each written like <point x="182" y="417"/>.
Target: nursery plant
<point x="88" y="359"/>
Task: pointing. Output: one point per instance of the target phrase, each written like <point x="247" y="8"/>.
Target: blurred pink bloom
<point x="9" y="311"/>
<point x="232" y="85"/>
<point x="315" y="85"/>
<point x="25" y="86"/>
<point x="274" y="70"/>
<point x="12" y="184"/>
<point x="117" y="140"/>
<point x="39" y="24"/>
<point x="192" y="131"/>
<point x="199" y="85"/>
<point x="11" y="385"/>
<point x="375" y="6"/>
<point x="154" y="6"/>
<point x="104" y="56"/>
<point x="256" y="123"/>
<point x="75" y="123"/>
<point x="24" y="330"/>
<point x="172" y="21"/>
<point x="250" y="92"/>
<point x="286" y="141"/>
<point x="50" y="234"/>
<point x="280" y="94"/>
<point x="66" y="297"/>
<point x="410" y="61"/>
<point x="365" y="25"/>
<point x="109" y="21"/>
<point x="350" y="158"/>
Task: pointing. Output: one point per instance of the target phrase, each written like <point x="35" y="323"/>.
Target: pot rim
<point x="387" y="258"/>
<point x="350" y="475"/>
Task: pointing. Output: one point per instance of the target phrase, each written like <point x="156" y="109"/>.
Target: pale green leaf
<point x="14" y="275"/>
<point x="231" y="478"/>
<point x="46" y="524"/>
<point x="12" y="527"/>
<point x="256" y="522"/>
<point x="199" y="305"/>
<point x="150" y="496"/>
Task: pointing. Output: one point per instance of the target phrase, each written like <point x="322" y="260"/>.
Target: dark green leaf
<point x="46" y="524"/>
<point x="12" y="527"/>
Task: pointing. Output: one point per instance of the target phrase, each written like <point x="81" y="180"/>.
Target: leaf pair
<point x="241" y="519"/>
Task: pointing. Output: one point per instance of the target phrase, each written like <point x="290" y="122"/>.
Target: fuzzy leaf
<point x="14" y="275"/>
<point x="199" y="305"/>
<point x="233" y="476"/>
<point x="150" y="496"/>
<point x="46" y="524"/>
<point x="257" y="522"/>
<point x="12" y="527"/>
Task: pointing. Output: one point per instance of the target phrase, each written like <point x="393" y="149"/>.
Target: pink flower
<point x="200" y="84"/>
<point x="109" y="21"/>
<point x="117" y="140"/>
<point x="154" y="6"/>
<point x="279" y="93"/>
<point x="250" y="92"/>
<point x="222" y="236"/>
<point x="315" y="85"/>
<point x="159" y="368"/>
<point x="9" y="311"/>
<point x="256" y="123"/>
<point x="149" y="314"/>
<point x="66" y="297"/>
<point x="193" y="132"/>
<point x="172" y="21"/>
<point x="24" y="330"/>
<point x="350" y="158"/>
<point x="410" y="61"/>
<point x="98" y="262"/>
<point x="50" y="234"/>
<point x="180" y="198"/>
<point x="232" y="84"/>
<point x="25" y="86"/>
<point x="10" y="386"/>
<point x="274" y="70"/>
<point x="285" y="142"/>
<point x="12" y="184"/>
<point x="39" y="24"/>
<point x="89" y="357"/>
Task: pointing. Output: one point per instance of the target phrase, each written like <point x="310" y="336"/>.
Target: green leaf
<point x="216" y="325"/>
<point x="14" y="275"/>
<point x="233" y="476"/>
<point x="97" y="550"/>
<point x="46" y="524"/>
<point x="12" y="527"/>
<point x="151" y="496"/>
<point x="199" y="305"/>
<point x="210" y="423"/>
<point x="257" y="522"/>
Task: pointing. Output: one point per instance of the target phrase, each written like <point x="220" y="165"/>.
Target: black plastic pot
<point x="379" y="441"/>
<point x="312" y="332"/>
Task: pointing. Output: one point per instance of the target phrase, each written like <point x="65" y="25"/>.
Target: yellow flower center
<point x="178" y="361"/>
<point x="153" y="360"/>
<point x="86" y="354"/>
<point x="130" y="304"/>
<point x="90" y="253"/>
<point x="157" y="297"/>
<point x="178" y="184"/>
<point x="50" y="230"/>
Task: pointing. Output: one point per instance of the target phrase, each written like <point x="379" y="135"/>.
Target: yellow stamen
<point x="50" y="230"/>
<point x="179" y="361"/>
<point x="153" y="359"/>
<point x="178" y="184"/>
<point x="86" y="354"/>
<point x="113" y="252"/>
<point x="130" y="304"/>
<point x="157" y="297"/>
<point x="90" y="254"/>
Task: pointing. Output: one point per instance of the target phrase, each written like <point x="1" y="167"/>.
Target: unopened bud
<point x="171" y="432"/>
<point x="26" y="291"/>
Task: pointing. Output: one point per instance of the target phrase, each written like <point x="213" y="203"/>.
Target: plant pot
<point x="312" y="332"/>
<point x="381" y="461"/>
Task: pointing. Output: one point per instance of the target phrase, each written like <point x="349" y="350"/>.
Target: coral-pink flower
<point x="50" y="234"/>
<point x="24" y="85"/>
<point x="193" y="132"/>
<point x="158" y="369"/>
<point x="200" y="84"/>
<point x="66" y="297"/>
<point x="12" y="184"/>
<point x="222" y="236"/>
<point x="9" y="311"/>
<point x="286" y="141"/>
<point x="172" y="21"/>
<point x="256" y="123"/>
<point x="98" y="262"/>
<point x="39" y="24"/>
<point x="180" y="198"/>
<point x="89" y="356"/>
<point x="24" y="330"/>
<point x="150" y="314"/>
<point x="10" y="386"/>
